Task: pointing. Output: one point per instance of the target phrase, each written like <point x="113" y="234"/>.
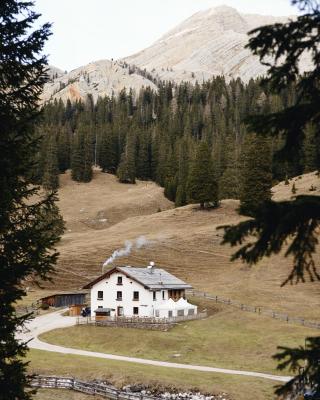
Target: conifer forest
<point x="192" y="140"/>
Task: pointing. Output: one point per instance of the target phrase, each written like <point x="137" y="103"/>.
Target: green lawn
<point x="229" y="339"/>
<point x="60" y="394"/>
<point x="121" y="373"/>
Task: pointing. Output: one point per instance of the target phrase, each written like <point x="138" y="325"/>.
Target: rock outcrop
<point x="100" y="78"/>
<point x="207" y="44"/>
<point x="210" y="42"/>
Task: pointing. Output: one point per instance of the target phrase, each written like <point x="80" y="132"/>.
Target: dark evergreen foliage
<point x="50" y="180"/>
<point x="256" y="174"/>
<point x="27" y="236"/>
<point x="202" y="187"/>
<point x="166" y="128"/>
<point x="299" y="219"/>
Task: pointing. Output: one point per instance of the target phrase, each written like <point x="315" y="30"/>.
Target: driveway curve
<point x="55" y="320"/>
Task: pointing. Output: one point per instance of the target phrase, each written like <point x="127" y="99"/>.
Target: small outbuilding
<point x="65" y="299"/>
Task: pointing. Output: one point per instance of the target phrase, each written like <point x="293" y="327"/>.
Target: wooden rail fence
<point x="91" y="388"/>
<point x="258" y="310"/>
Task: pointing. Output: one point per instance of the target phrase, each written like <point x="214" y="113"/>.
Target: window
<point x="169" y="314"/>
<point x="100" y="295"/>
<point x="191" y="311"/>
<point x="135" y="310"/>
<point x="157" y="313"/>
<point x="120" y="311"/>
<point x="119" y="296"/>
<point x="119" y="280"/>
<point x="154" y="296"/>
<point x="163" y="295"/>
<point x="135" y="296"/>
<point x="100" y="307"/>
<point x="180" y="313"/>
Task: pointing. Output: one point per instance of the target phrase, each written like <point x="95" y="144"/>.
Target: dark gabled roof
<point x="65" y="293"/>
<point x="154" y="279"/>
<point x="104" y="310"/>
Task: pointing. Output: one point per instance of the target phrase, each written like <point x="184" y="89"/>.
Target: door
<point x="120" y="311"/>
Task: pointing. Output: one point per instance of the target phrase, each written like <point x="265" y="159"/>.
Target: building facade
<point x="136" y="292"/>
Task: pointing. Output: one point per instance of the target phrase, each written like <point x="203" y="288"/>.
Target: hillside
<point x="307" y="184"/>
<point x="103" y="214"/>
<point x="99" y="78"/>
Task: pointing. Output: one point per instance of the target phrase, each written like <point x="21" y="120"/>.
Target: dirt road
<point x="47" y="322"/>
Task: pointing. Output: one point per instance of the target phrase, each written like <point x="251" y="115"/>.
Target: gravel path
<point x="47" y="322"/>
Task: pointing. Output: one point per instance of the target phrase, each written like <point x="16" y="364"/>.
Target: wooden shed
<point x="75" y="310"/>
<point x="65" y="299"/>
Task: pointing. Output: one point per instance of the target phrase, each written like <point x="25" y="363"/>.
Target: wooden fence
<point x="258" y="310"/>
<point x="93" y="388"/>
<point x="152" y="323"/>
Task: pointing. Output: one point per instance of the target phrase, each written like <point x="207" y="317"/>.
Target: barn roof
<point x="65" y="293"/>
<point x="154" y="279"/>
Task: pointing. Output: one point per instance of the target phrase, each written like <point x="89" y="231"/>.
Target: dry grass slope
<point x="103" y="214"/>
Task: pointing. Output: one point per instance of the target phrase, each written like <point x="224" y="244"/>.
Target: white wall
<point x="109" y="287"/>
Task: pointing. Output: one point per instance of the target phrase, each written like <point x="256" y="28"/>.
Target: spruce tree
<point x="202" y="186"/>
<point x="50" y="180"/>
<point x="88" y="157"/>
<point x="63" y="143"/>
<point x="311" y="149"/>
<point x="294" y="224"/>
<point x="229" y="182"/>
<point x="256" y="168"/>
<point x="82" y="156"/>
<point x="182" y="175"/>
<point x="126" y="171"/>
<point x="27" y="238"/>
<point x="77" y="158"/>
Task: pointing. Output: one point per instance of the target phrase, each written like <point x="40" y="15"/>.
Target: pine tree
<point x="256" y="179"/>
<point x="63" y="143"/>
<point x="202" y="187"/>
<point x="182" y="175"/>
<point x="88" y="157"/>
<point x="170" y="188"/>
<point x="27" y="238"/>
<point x="143" y="157"/>
<point x="82" y="156"/>
<point x="229" y="182"/>
<point x="126" y="171"/>
<point x="77" y="158"/>
<point x="293" y="225"/>
<point x="50" y="180"/>
<point x="311" y="149"/>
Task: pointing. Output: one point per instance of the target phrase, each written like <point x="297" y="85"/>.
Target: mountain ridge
<point x="209" y="43"/>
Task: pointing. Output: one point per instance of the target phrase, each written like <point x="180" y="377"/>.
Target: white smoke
<point x="140" y="242"/>
<point x="126" y="250"/>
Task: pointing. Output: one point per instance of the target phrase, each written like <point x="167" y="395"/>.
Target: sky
<point x="90" y="30"/>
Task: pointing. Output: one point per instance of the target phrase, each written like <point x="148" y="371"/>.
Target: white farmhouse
<point x="139" y="292"/>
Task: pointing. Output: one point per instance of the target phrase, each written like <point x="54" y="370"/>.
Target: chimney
<point x="151" y="267"/>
